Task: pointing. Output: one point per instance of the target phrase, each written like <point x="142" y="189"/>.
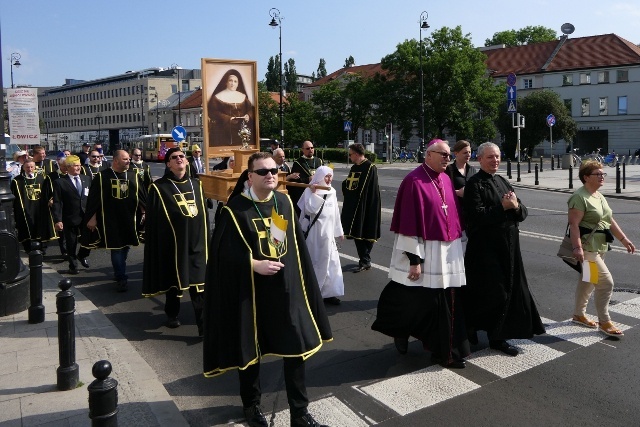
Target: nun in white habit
<point x="320" y="221"/>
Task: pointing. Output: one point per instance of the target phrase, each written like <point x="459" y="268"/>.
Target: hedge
<point x="327" y="154"/>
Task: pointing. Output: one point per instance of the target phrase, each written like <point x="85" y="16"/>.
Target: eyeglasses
<point x="444" y="154"/>
<point x="136" y="155"/>
<point x="308" y="148"/>
<point x="177" y="156"/>
<point x="94" y="157"/>
<point x="264" y="172"/>
<point x="599" y="175"/>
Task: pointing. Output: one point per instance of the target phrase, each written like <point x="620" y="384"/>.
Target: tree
<point x="272" y="76"/>
<point x="526" y="35"/>
<point x="301" y="121"/>
<point x="459" y="98"/>
<point x="290" y="77"/>
<point x="268" y="111"/>
<point x="349" y="62"/>
<point x="536" y="107"/>
<point x="322" y="69"/>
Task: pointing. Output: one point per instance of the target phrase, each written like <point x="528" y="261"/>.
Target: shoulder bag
<point x="565" y="252"/>
<point x="306" y="233"/>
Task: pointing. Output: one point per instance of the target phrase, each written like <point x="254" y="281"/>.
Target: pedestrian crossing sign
<point x="512" y="106"/>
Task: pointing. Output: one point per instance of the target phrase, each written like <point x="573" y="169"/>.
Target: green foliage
<point x="268" y="111"/>
<point x="526" y="35"/>
<point x="322" y="69"/>
<point x="337" y="155"/>
<point x="349" y="62"/>
<point x="291" y="76"/>
<point x="272" y="76"/>
<point x="536" y="107"/>
<point x="301" y="121"/>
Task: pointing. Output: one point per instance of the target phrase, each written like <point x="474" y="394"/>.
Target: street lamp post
<point x="15" y="62"/>
<point x="177" y="70"/>
<point x="423" y="24"/>
<point x="276" y="21"/>
<point x="141" y="91"/>
<point x="99" y="120"/>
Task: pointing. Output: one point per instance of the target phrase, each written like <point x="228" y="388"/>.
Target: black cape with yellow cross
<point x="115" y="200"/>
<point x="177" y="234"/>
<point x="26" y="205"/>
<point x="361" y="203"/>
<point x="249" y="315"/>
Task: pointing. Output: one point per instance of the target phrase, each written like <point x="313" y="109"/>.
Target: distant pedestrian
<point x="304" y="166"/>
<point x="361" y="206"/>
<point x="139" y="165"/>
<point x="44" y="166"/>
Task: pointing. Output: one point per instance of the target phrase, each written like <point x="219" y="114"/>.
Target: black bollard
<point x="36" y="309"/>
<point x="518" y="170"/>
<point x="618" y="190"/>
<point x="509" y="168"/>
<point x="552" y="163"/>
<point x="68" y="369"/>
<point x="570" y="176"/>
<point x="529" y="167"/>
<point x="624" y="176"/>
<point x="541" y="162"/>
<point x="558" y="161"/>
<point x="103" y="396"/>
<point x="536" y="182"/>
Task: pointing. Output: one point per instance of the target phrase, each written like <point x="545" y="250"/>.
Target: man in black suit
<point x="69" y="203"/>
<point x="196" y="163"/>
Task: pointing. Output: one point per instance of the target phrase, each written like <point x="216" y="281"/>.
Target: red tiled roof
<point x="193" y="101"/>
<point x="364" y="70"/>
<point x="606" y="50"/>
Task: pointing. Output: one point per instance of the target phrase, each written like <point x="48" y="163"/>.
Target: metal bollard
<point x="552" y="163"/>
<point x="570" y="176"/>
<point x="68" y="370"/>
<point x="541" y="162"/>
<point x="103" y="396"/>
<point x="529" y="162"/>
<point x="558" y="167"/>
<point x="536" y="182"/>
<point x="618" y="190"/>
<point x="509" y="168"/>
<point x="518" y="178"/>
<point x="36" y="309"/>
<point x="624" y="176"/>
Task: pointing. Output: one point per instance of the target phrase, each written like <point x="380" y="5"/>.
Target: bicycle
<point x="611" y="160"/>
<point x="577" y="161"/>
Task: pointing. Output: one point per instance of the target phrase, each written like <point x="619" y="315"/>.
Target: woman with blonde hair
<point x="589" y="210"/>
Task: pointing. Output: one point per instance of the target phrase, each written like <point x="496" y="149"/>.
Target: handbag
<point x="565" y="252"/>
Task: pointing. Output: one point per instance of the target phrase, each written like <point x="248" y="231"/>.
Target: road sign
<point x="551" y="120"/>
<point x="512" y="106"/>
<point x="179" y="133"/>
<point x="511" y="79"/>
<point x="511" y="93"/>
<point x="347" y="126"/>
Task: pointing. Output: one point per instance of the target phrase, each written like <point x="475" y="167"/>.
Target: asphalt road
<point x="360" y="379"/>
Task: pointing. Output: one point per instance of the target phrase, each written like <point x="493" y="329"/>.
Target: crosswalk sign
<point x="512" y="106"/>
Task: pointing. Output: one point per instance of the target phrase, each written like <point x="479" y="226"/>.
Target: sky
<point x="91" y="39"/>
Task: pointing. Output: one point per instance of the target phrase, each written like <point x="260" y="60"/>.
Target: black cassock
<point x="249" y="315"/>
<point x="26" y="205"/>
<point x="306" y="168"/>
<point x="497" y="297"/>
<point x="175" y="252"/>
<point x="361" y="203"/>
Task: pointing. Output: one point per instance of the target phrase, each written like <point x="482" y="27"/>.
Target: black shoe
<point x="332" y="301"/>
<point x="503" y="346"/>
<point x="122" y="285"/>
<point x="254" y="417"/>
<point x="173" y="323"/>
<point x="84" y="262"/>
<point x="454" y="364"/>
<point x="362" y="267"/>
<point x="305" y="421"/>
<point x="402" y="344"/>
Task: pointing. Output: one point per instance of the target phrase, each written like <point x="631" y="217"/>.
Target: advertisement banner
<point x="24" y="123"/>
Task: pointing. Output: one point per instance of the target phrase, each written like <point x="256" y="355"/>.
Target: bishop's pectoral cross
<point x="444" y="208"/>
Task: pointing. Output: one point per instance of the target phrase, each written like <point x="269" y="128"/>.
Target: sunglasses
<point x="95" y="157"/>
<point x="264" y="172"/>
<point x="444" y="154"/>
<point x="308" y="148"/>
<point x="177" y="156"/>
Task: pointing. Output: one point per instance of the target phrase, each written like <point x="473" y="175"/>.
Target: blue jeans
<point x="119" y="263"/>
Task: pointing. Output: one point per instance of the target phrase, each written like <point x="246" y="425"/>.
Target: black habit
<point x="306" y="167"/>
<point x="361" y="203"/>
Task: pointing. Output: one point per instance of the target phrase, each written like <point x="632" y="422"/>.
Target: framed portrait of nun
<point x="229" y="105"/>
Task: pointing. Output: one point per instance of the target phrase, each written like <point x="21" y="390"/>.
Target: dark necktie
<point x="78" y="185"/>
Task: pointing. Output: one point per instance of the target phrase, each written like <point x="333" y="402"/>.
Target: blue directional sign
<point x="511" y="93"/>
<point x="347" y="126"/>
<point x="179" y="133"/>
<point x="551" y="120"/>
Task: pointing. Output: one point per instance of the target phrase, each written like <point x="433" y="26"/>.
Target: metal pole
<point x="541" y="162"/>
<point x="423" y="24"/>
<point x="529" y="165"/>
<point x="618" y="190"/>
<point x="179" y="100"/>
<point x="509" y="168"/>
<point x="551" y="144"/>
<point x="103" y="396"/>
<point x="518" y="179"/>
<point x="68" y="371"/>
<point x="536" y="182"/>
<point x="36" y="309"/>
<point x="624" y="176"/>
<point x="570" y="177"/>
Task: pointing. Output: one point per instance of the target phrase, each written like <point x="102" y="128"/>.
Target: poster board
<point x="229" y="105"/>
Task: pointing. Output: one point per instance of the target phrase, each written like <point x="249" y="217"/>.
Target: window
<point x="528" y="83"/>
<point x="622" y="105"/>
<point x="174" y="88"/>
<point x="604" y="106"/>
<point x="585" y="106"/>
<point x="567" y="80"/>
<point x="603" y="77"/>
<point x="585" y="78"/>
<point x="622" y="76"/>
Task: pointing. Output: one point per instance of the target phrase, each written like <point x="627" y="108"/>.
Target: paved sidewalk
<point x="29" y="359"/>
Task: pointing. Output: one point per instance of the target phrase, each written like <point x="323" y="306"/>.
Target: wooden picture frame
<point x="225" y="110"/>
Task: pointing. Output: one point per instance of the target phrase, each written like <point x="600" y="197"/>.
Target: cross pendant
<point x="444" y="208"/>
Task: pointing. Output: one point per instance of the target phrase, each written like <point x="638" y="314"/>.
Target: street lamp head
<point x="423" y="20"/>
<point x="17" y="64"/>
<point x="275" y="17"/>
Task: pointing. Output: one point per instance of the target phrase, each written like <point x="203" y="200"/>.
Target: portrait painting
<point x="230" y="105"/>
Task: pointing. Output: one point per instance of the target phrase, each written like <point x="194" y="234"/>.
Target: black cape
<point x="248" y="315"/>
<point x="361" y="203"/>
<point x="306" y="168"/>
<point x="26" y="205"/>
<point x="497" y="297"/>
<point x="115" y="203"/>
<point x="144" y="170"/>
<point x="175" y="251"/>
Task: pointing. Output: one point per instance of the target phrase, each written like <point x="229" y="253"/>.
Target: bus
<point x="155" y="146"/>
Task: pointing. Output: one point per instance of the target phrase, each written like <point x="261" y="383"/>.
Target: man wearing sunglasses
<point x="175" y="250"/>
<point x="95" y="164"/>
<point x="305" y="166"/>
<point x="196" y="162"/>
<point x="262" y="296"/>
<point x="138" y="165"/>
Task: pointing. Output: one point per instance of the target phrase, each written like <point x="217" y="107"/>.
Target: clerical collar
<point x="307" y="158"/>
<point x="253" y="196"/>
<point x="427" y="168"/>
